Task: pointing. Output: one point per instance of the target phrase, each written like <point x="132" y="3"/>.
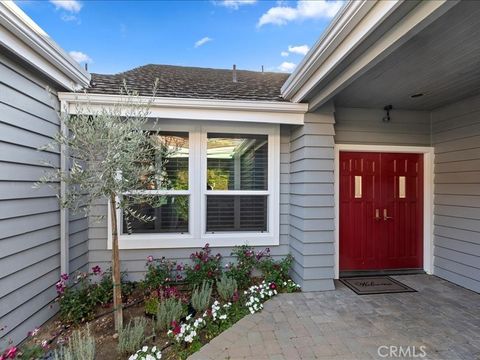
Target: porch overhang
<point x="361" y="36"/>
<point x="24" y="38"/>
<point x="270" y="112"/>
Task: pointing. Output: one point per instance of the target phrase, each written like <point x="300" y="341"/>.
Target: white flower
<point x="149" y="357"/>
<point x="189" y="316"/>
<point x="159" y="355"/>
<point x="145" y="349"/>
<point x="154" y="349"/>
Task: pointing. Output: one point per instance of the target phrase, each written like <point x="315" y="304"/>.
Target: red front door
<point x="381" y="211"/>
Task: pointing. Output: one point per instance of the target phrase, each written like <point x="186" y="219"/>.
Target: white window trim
<point x="197" y="236"/>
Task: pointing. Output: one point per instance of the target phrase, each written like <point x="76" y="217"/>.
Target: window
<point x="169" y="165"/>
<point x="216" y="183"/>
<point x="237" y="164"/>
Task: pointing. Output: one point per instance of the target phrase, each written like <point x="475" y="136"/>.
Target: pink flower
<point x="149" y="258"/>
<point x="273" y="286"/>
<point x="176" y="328"/>
<point x="197" y="267"/>
<point x="44" y="344"/>
<point x="11" y="353"/>
<point x="179" y="267"/>
<point x="96" y="270"/>
<point x="236" y="296"/>
<point x="64" y="277"/>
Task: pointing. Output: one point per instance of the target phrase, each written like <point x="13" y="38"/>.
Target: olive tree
<point x="110" y="156"/>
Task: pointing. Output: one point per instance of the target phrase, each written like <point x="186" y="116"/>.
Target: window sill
<point x="179" y="241"/>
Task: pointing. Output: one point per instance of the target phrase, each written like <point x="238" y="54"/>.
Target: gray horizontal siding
<point x="456" y="137"/>
<point x="133" y="261"/>
<point x="365" y="126"/>
<point x="29" y="217"/>
<point x="311" y="201"/>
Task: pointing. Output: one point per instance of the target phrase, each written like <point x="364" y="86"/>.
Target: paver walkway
<point x="442" y="317"/>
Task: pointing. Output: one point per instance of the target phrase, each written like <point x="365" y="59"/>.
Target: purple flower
<point x="149" y="258"/>
<point x="96" y="270"/>
<point x="60" y="286"/>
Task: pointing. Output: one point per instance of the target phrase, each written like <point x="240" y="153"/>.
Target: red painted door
<point x="381" y="211"/>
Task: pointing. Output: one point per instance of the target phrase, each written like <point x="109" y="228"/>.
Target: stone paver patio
<point x="339" y="324"/>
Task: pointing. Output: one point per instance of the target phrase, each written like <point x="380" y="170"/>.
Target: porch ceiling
<point x="442" y="62"/>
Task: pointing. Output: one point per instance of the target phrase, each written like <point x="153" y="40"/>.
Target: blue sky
<point x="114" y="36"/>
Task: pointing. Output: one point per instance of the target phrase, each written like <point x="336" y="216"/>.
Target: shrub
<point x="160" y="272"/>
<point x="247" y="261"/>
<point x="290" y="286"/>
<point x="168" y="310"/>
<point x="132" y="336"/>
<point x="205" y="266"/>
<point x="102" y="291"/>
<point x="79" y="298"/>
<point x="76" y="302"/>
<point x="226" y="287"/>
<point x="164" y="292"/>
<point x="276" y="271"/>
<point x="201" y="296"/>
<point x="151" y="305"/>
<point x="80" y="346"/>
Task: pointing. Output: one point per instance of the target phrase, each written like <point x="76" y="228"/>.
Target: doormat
<point x="369" y="285"/>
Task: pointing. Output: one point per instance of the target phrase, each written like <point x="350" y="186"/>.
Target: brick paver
<point x="442" y="317"/>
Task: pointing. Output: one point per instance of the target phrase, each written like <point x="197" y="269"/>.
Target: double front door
<point x="381" y="211"/>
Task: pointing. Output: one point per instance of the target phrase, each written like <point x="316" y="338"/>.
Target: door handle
<point x="385" y="215"/>
<point x="377" y="215"/>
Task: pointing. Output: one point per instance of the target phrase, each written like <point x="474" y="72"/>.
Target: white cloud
<point x="202" y="41"/>
<point x="73" y="6"/>
<point x="68" y="18"/>
<point x="287" y="66"/>
<point x="300" y="49"/>
<point x="284" y="53"/>
<point x="80" y="57"/>
<point x="235" y="4"/>
<point x="305" y="9"/>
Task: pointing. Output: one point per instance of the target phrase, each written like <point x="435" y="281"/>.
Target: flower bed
<point x="171" y="314"/>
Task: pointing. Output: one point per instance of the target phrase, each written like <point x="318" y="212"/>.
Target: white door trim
<point x="428" y="170"/>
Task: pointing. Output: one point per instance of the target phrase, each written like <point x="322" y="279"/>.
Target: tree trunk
<point x="116" y="275"/>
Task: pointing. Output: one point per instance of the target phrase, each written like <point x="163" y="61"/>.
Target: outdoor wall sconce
<point x="387" y="108"/>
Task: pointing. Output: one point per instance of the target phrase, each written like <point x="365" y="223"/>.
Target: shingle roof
<point x="193" y="82"/>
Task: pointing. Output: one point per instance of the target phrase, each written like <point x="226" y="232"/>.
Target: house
<point x="30" y="219"/>
<point x="366" y="158"/>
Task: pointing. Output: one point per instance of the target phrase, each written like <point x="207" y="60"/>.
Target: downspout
<point x="64" y="212"/>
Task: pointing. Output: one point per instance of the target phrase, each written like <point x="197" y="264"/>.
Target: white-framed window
<point x="220" y="185"/>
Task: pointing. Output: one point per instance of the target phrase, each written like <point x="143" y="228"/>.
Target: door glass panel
<point x="358" y="187"/>
<point x="401" y="187"/>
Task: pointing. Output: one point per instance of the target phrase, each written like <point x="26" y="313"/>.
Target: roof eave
<point x="28" y="41"/>
<point x="275" y="112"/>
<point x="341" y="25"/>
